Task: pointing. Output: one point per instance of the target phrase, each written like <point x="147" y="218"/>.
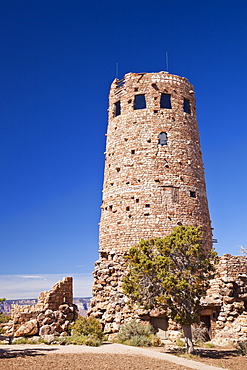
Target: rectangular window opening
<point x="133" y="151"/>
<point x="192" y="194"/>
<point x="140" y="102"/>
<point x="117" y="110"/>
<point x="165" y="101"/>
<point x="187" y="106"/>
<point x="147" y="205"/>
<point x="137" y="200"/>
<point x="175" y="195"/>
<point x="127" y="208"/>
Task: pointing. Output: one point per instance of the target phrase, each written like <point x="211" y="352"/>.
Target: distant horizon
<point x="24" y="286"/>
<point x="32" y="299"/>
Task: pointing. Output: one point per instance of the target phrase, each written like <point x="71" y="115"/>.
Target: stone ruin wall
<point x="147" y="186"/>
<point x="61" y="293"/>
<point x="226" y="300"/>
<point x="51" y="315"/>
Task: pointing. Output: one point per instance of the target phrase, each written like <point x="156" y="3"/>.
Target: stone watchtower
<point x="153" y="180"/>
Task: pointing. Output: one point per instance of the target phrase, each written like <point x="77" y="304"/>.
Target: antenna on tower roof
<point x="117" y="70"/>
<point x="167" y="61"/>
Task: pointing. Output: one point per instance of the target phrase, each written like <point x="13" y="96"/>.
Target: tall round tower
<point x="153" y="180"/>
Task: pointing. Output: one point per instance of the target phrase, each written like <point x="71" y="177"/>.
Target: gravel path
<point x="106" y="357"/>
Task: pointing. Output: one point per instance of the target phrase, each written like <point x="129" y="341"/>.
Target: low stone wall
<point x="51" y="315"/>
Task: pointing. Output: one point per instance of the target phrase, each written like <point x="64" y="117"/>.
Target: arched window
<point x="162" y="138"/>
<point x="140" y="102"/>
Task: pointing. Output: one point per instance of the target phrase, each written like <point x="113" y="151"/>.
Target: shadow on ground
<point x="13" y="353"/>
<point x="206" y="352"/>
<point x="216" y="353"/>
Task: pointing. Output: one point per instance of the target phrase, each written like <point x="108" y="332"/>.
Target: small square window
<point x="140" y="102"/>
<point x="127" y="208"/>
<point x="133" y="151"/>
<point x="187" y="106"/>
<point x="165" y="101"/>
<point x="147" y="205"/>
<point x="117" y="110"/>
<point x="137" y="200"/>
<point x="192" y="194"/>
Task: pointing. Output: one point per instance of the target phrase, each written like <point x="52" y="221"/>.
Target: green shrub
<point x="74" y="339"/>
<point x="137" y="334"/>
<point x="180" y="342"/>
<point x="93" y="341"/>
<point x="155" y="341"/>
<point x="87" y="326"/>
<point x="3" y="319"/>
<point x="242" y="347"/>
<point x="87" y="330"/>
<point x="28" y="340"/>
<point x="21" y="340"/>
<point x="89" y="340"/>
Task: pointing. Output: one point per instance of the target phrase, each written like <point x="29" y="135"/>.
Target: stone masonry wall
<point x="51" y="315"/>
<point x="61" y="293"/>
<point x="226" y="300"/>
<point x="150" y="186"/>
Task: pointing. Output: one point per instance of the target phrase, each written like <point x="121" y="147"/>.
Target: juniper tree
<point x="171" y="274"/>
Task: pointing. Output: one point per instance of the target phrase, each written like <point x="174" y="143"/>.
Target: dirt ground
<point x="87" y="361"/>
<point x="50" y="358"/>
<point x="220" y="357"/>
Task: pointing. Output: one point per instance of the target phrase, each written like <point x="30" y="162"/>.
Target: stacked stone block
<point x="226" y="300"/>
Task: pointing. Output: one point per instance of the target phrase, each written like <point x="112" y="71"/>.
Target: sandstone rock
<point x="48" y="321"/>
<point x="41" y="317"/>
<point x="49" y="338"/>
<point x="108" y="328"/>
<point x="27" y="329"/>
<point x="115" y="327"/>
<point x="63" y="334"/>
<point x="59" y="328"/>
<point x="228" y="299"/>
<point x="44" y="330"/>
<point x="64" y="308"/>
<point x="65" y="326"/>
<point x="49" y="313"/>
<point x="239" y="305"/>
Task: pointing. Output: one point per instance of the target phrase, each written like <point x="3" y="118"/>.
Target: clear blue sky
<point x="57" y="62"/>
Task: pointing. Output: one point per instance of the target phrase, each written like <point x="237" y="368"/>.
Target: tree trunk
<point x="188" y="339"/>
